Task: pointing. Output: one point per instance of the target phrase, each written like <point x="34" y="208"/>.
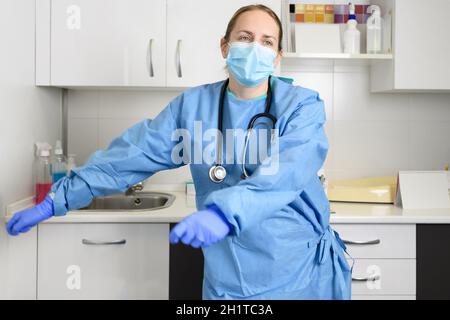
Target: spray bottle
<point x="374" y="23"/>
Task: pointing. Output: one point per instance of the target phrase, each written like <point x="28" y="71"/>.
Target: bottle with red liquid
<point x="43" y="177"/>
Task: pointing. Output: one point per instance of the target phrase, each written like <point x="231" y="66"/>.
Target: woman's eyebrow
<point x="251" y="33"/>
<point x="246" y="31"/>
<point x="269" y="36"/>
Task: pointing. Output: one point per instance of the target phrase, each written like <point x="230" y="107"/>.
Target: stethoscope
<point x="217" y="172"/>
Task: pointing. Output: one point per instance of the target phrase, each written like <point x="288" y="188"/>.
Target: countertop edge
<point x="183" y="205"/>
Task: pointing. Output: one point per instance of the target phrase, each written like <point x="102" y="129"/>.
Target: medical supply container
<point x="374" y="33"/>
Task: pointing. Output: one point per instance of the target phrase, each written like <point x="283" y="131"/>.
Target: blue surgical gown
<point x="281" y="245"/>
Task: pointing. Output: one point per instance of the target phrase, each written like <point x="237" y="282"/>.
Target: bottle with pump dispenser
<point x="352" y="35"/>
<point x="374" y="32"/>
<point x="59" y="164"/>
<point x="43" y="175"/>
<point x="71" y="164"/>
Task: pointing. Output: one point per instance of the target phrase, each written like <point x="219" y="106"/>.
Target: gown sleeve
<point x="303" y="147"/>
<point x="138" y="153"/>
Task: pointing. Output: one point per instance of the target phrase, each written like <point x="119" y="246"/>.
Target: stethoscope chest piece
<point x="217" y="173"/>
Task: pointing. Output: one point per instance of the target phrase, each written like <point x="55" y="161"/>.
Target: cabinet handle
<point x="103" y="243"/>
<point x="151" y="72"/>
<point x="178" y="60"/>
<point x="376" y="241"/>
<point x="369" y="278"/>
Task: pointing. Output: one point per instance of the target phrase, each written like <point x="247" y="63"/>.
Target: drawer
<point x="397" y="241"/>
<point x="103" y="261"/>
<point x="386" y="297"/>
<point x="393" y="277"/>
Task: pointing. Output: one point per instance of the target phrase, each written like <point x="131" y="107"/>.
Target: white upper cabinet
<point x="108" y="42"/>
<point x="421" y="47"/>
<point x="194" y="30"/>
<point x="135" y="43"/>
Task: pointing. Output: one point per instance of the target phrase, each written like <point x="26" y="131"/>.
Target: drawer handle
<point x="103" y="243"/>
<point x="369" y="278"/>
<point x="178" y="59"/>
<point x="376" y="241"/>
<point x="151" y="72"/>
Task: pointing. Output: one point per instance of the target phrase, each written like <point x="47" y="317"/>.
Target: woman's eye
<point x="268" y="43"/>
<point x="244" y="38"/>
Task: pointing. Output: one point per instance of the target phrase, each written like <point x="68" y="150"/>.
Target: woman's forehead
<point x="257" y="22"/>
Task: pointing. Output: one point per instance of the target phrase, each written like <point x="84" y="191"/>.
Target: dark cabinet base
<point x="433" y="261"/>
<point x="185" y="272"/>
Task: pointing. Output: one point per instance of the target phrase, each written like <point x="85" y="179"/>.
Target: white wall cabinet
<point x="420" y="47"/>
<point x="103" y="261"/>
<point x="108" y="42"/>
<point x="194" y="30"/>
<point x="135" y="43"/>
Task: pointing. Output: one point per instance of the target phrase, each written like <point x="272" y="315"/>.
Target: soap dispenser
<point x="352" y="35"/>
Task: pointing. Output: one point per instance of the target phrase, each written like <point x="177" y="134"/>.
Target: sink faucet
<point x="137" y="187"/>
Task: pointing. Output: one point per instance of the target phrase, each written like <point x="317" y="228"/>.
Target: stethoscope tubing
<point x="219" y="156"/>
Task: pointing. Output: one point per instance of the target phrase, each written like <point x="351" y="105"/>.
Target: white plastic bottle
<point x="352" y="36"/>
<point x="70" y="163"/>
<point x="374" y="32"/>
<point x="59" y="164"/>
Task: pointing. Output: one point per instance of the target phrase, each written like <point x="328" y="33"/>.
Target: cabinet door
<point x="18" y="256"/>
<point x="103" y="261"/>
<point x="108" y="42"/>
<point x="422" y="45"/>
<point x="433" y="261"/>
<point x="194" y="30"/>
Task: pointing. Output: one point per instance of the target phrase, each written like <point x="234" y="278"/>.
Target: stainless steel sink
<point x="139" y="201"/>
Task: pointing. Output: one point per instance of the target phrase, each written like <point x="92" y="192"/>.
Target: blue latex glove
<point x="201" y="228"/>
<point x="26" y="219"/>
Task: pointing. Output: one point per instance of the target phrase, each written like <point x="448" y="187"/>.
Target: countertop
<point x="183" y="205"/>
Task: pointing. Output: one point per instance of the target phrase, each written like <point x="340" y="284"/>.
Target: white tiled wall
<point x="378" y="133"/>
<point x="369" y="134"/>
<point x="98" y="116"/>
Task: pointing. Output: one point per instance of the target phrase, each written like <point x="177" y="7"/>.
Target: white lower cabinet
<point x="131" y="261"/>
<point x="103" y="261"/>
<point x="384" y="257"/>
<point x="384" y="277"/>
<point x="387" y="297"/>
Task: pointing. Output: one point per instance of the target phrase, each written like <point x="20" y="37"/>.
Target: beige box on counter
<point x="369" y="190"/>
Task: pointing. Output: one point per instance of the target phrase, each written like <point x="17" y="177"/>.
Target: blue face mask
<point x="250" y="63"/>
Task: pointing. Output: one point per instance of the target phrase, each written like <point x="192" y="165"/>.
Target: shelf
<point x="292" y="60"/>
<point x="337" y="56"/>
